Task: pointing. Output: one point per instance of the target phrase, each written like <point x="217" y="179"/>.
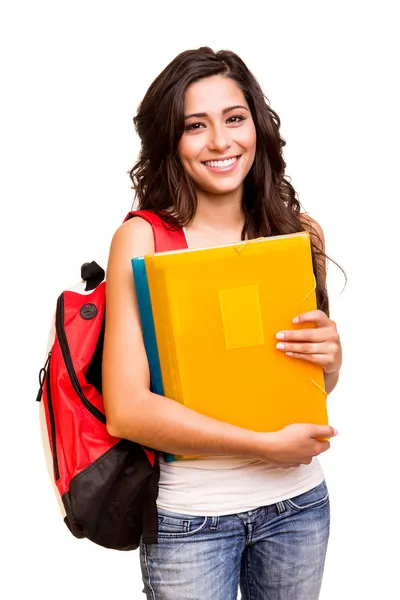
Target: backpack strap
<point x="165" y="238"/>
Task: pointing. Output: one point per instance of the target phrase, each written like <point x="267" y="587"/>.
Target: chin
<point x="223" y="192"/>
<point x="221" y="189"/>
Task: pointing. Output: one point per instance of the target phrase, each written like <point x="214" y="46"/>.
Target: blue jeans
<point x="275" y="552"/>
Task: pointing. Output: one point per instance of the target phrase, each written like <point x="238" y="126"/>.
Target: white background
<point x="72" y="75"/>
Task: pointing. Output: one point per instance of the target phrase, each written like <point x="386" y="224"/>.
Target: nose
<point x="219" y="139"/>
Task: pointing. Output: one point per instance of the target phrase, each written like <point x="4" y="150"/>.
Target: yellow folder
<point x="216" y="314"/>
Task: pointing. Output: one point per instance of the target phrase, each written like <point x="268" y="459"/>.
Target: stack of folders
<point x="210" y="319"/>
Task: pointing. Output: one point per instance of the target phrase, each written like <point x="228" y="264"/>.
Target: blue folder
<point x="148" y="329"/>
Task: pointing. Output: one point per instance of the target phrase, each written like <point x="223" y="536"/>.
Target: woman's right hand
<point x="298" y="444"/>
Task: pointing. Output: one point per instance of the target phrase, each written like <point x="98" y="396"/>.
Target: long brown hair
<point x="270" y="204"/>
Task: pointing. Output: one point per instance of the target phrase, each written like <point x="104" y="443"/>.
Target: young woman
<point x="255" y="512"/>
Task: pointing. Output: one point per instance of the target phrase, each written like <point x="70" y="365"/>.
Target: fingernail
<point x="280" y="346"/>
<point x="296" y="320"/>
<point x="280" y="335"/>
<point x="335" y="431"/>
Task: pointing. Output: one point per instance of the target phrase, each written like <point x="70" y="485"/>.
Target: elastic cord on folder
<point x="240" y="248"/>
<point x="318" y="386"/>
<point x="312" y="290"/>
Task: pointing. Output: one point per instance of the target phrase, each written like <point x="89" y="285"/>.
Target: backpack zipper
<point x="52" y="424"/>
<point x="44" y="377"/>
<point x="62" y="338"/>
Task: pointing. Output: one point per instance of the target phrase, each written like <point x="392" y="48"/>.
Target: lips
<point x="224" y="164"/>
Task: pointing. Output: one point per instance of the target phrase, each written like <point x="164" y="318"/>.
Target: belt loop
<point x="214" y="522"/>
<point x="280" y="507"/>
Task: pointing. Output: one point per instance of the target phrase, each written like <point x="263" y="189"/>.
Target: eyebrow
<point x="226" y="110"/>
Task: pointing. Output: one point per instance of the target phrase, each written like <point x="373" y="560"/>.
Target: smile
<point x="222" y="165"/>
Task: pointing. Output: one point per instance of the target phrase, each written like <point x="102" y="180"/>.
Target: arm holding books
<point x="322" y="345"/>
<point x="134" y="412"/>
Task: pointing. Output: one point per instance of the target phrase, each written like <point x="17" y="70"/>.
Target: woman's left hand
<point x="320" y="345"/>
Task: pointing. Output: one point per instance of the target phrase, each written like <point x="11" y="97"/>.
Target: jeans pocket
<point x="171" y="525"/>
<point x="317" y="496"/>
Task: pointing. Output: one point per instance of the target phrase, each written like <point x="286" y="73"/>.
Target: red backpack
<point x="108" y="486"/>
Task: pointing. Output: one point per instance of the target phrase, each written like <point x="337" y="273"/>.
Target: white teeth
<point x="221" y="164"/>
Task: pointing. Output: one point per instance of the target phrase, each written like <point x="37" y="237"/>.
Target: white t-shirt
<point x="222" y="486"/>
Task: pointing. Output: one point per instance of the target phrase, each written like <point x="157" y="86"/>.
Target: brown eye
<point x="193" y="126"/>
<point x="236" y="119"/>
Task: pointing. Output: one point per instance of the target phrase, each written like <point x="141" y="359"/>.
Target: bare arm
<point x="134" y="412"/>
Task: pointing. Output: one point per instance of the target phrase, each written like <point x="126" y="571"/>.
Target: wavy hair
<point x="270" y="204"/>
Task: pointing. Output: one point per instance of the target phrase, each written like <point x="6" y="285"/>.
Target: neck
<point x="218" y="211"/>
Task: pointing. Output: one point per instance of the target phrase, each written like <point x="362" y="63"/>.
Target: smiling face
<point x="218" y="146"/>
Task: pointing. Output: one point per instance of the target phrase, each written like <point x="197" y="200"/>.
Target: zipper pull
<point x="42" y="376"/>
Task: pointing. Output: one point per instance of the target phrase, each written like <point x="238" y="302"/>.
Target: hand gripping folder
<point x="210" y="319"/>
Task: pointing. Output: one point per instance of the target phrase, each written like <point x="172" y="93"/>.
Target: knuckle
<point x="306" y="348"/>
<point x="330" y="361"/>
<point x="335" y="337"/>
<point x="317" y="449"/>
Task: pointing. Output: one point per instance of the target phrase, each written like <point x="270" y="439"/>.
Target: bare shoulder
<point x="314" y="228"/>
<point x="132" y="238"/>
